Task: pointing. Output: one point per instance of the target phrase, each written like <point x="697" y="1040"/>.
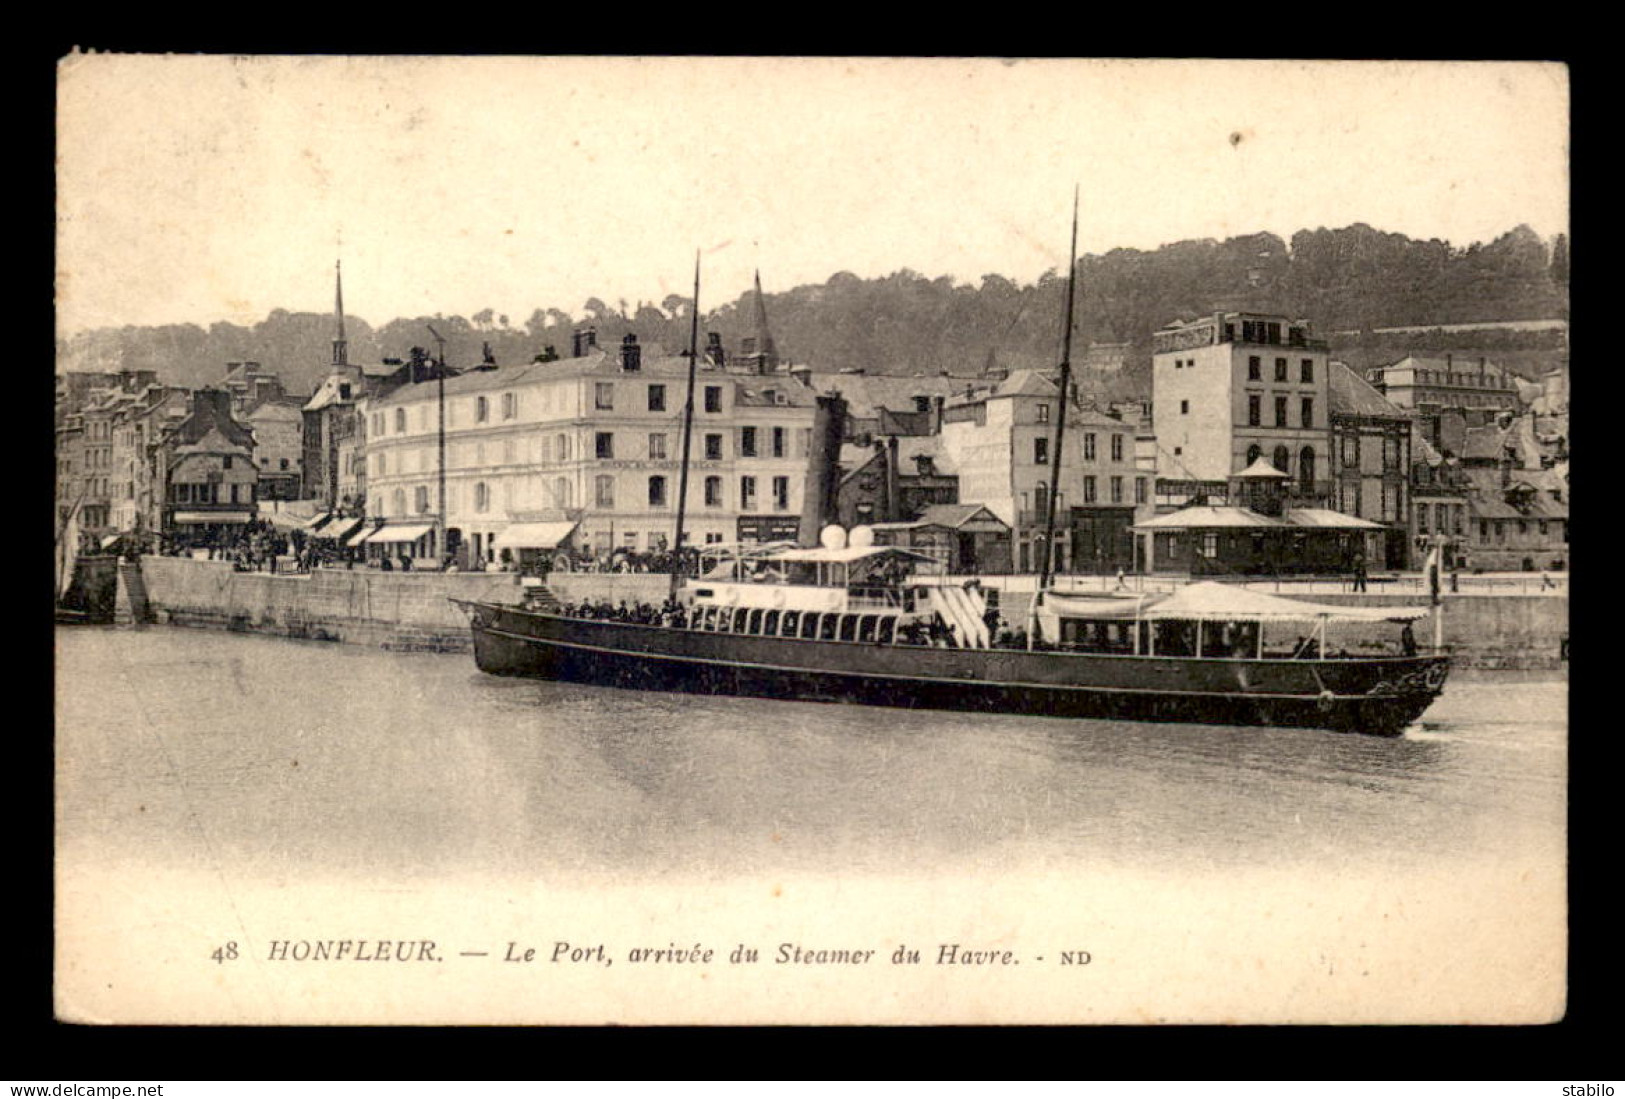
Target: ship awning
<point x="1227" y="602"/>
<point x="1099" y="606"/>
<point x="409" y="532"/>
<point x="212" y="517"/>
<point x="534" y="535"/>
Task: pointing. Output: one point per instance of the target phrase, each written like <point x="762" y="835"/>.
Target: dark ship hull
<point x="1377" y="696"/>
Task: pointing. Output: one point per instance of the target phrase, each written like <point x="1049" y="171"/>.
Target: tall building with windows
<point x="1000" y="438"/>
<point x="1371" y="460"/>
<point x="1231" y="388"/>
<point x="594" y="440"/>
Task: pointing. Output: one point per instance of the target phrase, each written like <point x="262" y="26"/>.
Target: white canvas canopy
<point x="540" y="536"/>
<point x="1209" y="601"/>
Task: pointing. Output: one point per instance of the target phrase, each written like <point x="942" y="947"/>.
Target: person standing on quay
<point x="1359" y="570"/>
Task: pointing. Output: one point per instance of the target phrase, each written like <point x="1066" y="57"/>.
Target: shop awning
<point x="361" y="536"/>
<point x="338" y="528"/>
<point x="409" y="532"/>
<point x="212" y="517"/>
<point x="110" y="539"/>
<point x="534" y="535"/>
<point x="286" y="520"/>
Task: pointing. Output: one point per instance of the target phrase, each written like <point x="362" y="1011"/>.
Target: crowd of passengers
<point x="934" y="632"/>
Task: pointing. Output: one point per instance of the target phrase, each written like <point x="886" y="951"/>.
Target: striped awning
<point x="408" y="532"/>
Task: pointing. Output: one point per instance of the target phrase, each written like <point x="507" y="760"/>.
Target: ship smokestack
<point x="823" y="467"/>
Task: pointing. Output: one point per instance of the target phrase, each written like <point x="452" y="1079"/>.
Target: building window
<point x="510" y="405"/>
<point x="1308" y="409"/>
<point x="400" y="421"/>
<point x="1117" y="490"/>
<point x="1088" y="446"/>
<point x="781" y="494"/>
<point x="604" y="444"/>
<point x="657" y="398"/>
<point x="398" y="499"/>
<point x="778" y="442"/>
<point x="657" y="492"/>
<point x="1280" y="412"/>
<point x="1117" y="448"/>
<point x="421" y="498"/>
<point x="226" y="462"/>
<point x="1255" y="413"/>
<point x="713" y="398"/>
<point x="1306" y="468"/>
<point x="1184" y="407"/>
<point x="561" y="493"/>
<point x="1253" y="454"/>
<point x="713" y="492"/>
<point x="1281" y="459"/>
<point x="657" y="447"/>
<point x="1306" y="371"/>
<point x="1421" y="518"/>
<point x="1280" y="370"/>
<point x="803" y="441"/>
<point x="563" y="447"/>
<point x="604" y="396"/>
<point x="1041" y="451"/>
<point x="1041" y="499"/>
<point x="713" y="448"/>
<point x="482" y="410"/>
<point x="1043" y="413"/>
<point x="747" y="442"/>
<point x="284" y="463"/>
<point x="1210" y="544"/>
<point x="604" y="490"/>
<point x="1139" y="490"/>
<point x="747" y="494"/>
<point x="1089" y="489"/>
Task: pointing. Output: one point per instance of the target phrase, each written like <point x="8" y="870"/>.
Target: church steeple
<point x="341" y="347"/>
<point x="761" y="348"/>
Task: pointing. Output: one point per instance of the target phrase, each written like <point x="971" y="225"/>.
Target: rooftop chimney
<point x="631" y="354"/>
<point x="714" y="354"/>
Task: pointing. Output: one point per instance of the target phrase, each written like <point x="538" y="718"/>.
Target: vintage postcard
<point x="772" y="540"/>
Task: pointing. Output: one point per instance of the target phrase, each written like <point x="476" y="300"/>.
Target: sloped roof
<point x="1325" y="519"/>
<point x="1351" y="395"/>
<point x="866" y="394"/>
<point x="1262" y="470"/>
<point x="1208" y="516"/>
<point x="1484" y="443"/>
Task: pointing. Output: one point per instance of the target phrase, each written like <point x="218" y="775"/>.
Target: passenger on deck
<point x="1407" y="640"/>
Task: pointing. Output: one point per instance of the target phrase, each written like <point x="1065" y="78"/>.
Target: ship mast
<point x="1060" y="419"/>
<point x="688" y="430"/>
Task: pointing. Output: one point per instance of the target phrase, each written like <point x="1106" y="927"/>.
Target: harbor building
<point x="999" y="437"/>
<point x="1371" y="461"/>
<point x="205" y="464"/>
<point x="593" y="441"/>
<point x="1234" y="387"/>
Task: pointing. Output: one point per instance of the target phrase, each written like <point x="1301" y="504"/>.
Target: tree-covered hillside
<point x="1346" y="280"/>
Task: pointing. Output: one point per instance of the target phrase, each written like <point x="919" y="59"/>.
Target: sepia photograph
<point x="773" y="540"/>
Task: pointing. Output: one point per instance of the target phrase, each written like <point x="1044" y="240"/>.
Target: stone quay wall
<point x="412" y="610"/>
<point x="390" y="610"/>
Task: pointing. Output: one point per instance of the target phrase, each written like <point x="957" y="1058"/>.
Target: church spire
<point x="762" y="350"/>
<point x="341" y="353"/>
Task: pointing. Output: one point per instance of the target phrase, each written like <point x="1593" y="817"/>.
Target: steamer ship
<point x="850" y="621"/>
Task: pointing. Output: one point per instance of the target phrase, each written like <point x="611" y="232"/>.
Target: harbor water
<point x="258" y="763"/>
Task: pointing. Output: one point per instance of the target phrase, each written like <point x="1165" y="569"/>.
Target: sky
<point x="204" y="189"/>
